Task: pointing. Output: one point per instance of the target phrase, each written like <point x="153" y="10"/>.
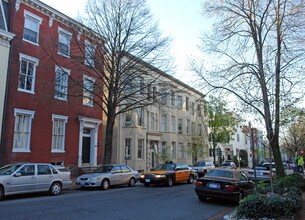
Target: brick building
<point x="49" y="117"/>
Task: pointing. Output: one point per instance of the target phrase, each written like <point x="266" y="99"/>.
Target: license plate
<point x="147" y="180"/>
<point x="214" y="185"/>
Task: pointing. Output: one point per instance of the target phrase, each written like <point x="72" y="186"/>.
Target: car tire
<point x="132" y="182"/>
<point x="191" y="179"/>
<point x="1" y="192"/>
<point x="55" y="188"/>
<point x="202" y="198"/>
<point x="105" y="184"/>
<point x="169" y="181"/>
<point x="146" y="184"/>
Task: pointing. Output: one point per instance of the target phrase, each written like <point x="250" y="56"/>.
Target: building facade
<point x="5" y="38"/>
<point x="49" y="117"/>
<point x="167" y="130"/>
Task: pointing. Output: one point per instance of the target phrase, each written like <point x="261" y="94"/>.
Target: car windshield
<point x="9" y="169"/>
<point x="165" y="167"/>
<point x="103" y="169"/>
<point x="220" y="173"/>
<point x="200" y="164"/>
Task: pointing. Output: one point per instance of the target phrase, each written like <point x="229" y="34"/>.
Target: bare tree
<point x="260" y="46"/>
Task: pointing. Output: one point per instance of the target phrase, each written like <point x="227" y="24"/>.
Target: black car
<point x="224" y="183"/>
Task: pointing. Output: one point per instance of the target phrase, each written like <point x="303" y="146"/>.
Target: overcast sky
<point x="179" y="19"/>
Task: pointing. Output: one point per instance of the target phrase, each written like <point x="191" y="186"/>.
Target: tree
<point x="125" y="51"/>
<point x="221" y="123"/>
<point x="259" y="43"/>
<point x="198" y="147"/>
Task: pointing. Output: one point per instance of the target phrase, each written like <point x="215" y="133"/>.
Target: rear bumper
<point x="217" y="193"/>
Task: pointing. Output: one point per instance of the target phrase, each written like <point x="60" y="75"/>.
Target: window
<point x="64" y="38"/>
<point x="173" y="123"/>
<point x="31" y="27"/>
<point x="149" y="95"/>
<point x="199" y="130"/>
<point x="164" y="122"/>
<point x="89" y="54"/>
<point x="44" y="170"/>
<point x="152" y="121"/>
<point x="140" y="114"/>
<point x="193" y="108"/>
<point x="180" y="126"/>
<point x="163" y="97"/>
<point x="173" y="95"/>
<point x="141" y="148"/>
<point x="163" y="148"/>
<point x="187" y="103"/>
<point x="128" y="85"/>
<point x="58" y="133"/>
<point x="88" y="90"/>
<point x="61" y="83"/>
<point x="179" y="102"/>
<point x="199" y="109"/>
<point x="128" y="119"/>
<point x="154" y="93"/>
<point x="128" y="148"/>
<point x="173" y="150"/>
<point x="180" y="150"/>
<point x="193" y="132"/>
<point x="22" y="130"/>
<point x="27" y="73"/>
<point x="27" y="170"/>
<point x="139" y="86"/>
<point x="188" y="126"/>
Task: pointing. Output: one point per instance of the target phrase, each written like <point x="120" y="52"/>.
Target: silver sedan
<point x="108" y="175"/>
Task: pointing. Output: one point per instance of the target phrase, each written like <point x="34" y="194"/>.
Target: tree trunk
<point x="108" y="139"/>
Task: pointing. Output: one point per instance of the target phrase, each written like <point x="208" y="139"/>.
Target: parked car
<point x="202" y="167"/>
<point x="32" y="177"/>
<point x="262" y="173"/>
<point x="168" y="173"/>
<point x="228" y="164"/>
<point x="224" y="183"/>
<point x="108" y="175"/>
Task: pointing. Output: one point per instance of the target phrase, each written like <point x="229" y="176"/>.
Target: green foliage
<point x="244" y="157"/>
<point x="286" y="200"/>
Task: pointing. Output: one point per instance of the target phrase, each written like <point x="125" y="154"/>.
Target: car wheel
<point x="202" y="198"/>
<point x="105" y="184"/>
<point x="55" y="188"/>
<point x="169" y="181"/>
<point x="191" y="179"/>
<point x="146" y="184"/>
<point x="1" y="192"/>
<point x="132" y="182"/>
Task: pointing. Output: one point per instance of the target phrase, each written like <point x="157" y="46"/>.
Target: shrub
<point x="281" y="185"/>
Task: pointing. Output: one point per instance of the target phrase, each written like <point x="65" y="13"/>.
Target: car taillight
<point x="198" y="184"/>
<point x="229" y="187"/>
<point x="266" y="174"/>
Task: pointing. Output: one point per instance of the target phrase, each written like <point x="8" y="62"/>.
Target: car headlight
<point x="160" y="176"/>
<point x="142" y="176"/>
<point x="93" y="178"/>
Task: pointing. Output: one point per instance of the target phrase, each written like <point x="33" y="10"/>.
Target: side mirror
<point x="17" y="174"/>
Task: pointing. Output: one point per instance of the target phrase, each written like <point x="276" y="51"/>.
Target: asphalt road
<point x="119" y="203"/>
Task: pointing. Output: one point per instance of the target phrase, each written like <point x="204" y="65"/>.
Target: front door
<point x="86" y="150"/>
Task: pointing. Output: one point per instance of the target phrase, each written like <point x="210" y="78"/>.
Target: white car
<point x="32" y="177"/>
<point x="108" y="175"/>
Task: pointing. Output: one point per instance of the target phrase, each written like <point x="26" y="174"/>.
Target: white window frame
<point x="140" y="149"/>
<point x="173" y="150"/>
<point x="179" y="102"/>
<point x="34" y="17"/>
<point x="64" y="119"/>
<point x="89" y="53"/>
<point x="173" y="123"/>
<point x="164" y="122"/>
<point x="34" y="61"/>
<point x="26" y="113"/>
<point x="140" y="117"/>
<point x="128" y="118"/>
<point x="68" y="35"/>
<point x="180" y="125"/>
<point x="65" y="72"/>
<point x="128" y="148"/>
<point x="180" y="150"/>
<point x="87" y="93"/>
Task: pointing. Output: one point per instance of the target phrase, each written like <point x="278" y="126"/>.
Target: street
<point x="139" y="202"/>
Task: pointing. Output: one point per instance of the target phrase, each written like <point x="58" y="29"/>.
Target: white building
<point x="146" y="137"/>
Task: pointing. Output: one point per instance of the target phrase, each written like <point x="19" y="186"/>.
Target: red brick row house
<point x="49" y="117"/>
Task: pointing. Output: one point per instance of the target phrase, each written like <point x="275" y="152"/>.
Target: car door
<point x="23" y="179"/>
<point x="179" y="173"/>
<point x="44" y="177"/>
<point x="116" y="177"/>
<point x="126" y="174"/>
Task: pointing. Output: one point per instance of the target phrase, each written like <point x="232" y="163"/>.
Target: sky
<point x="180" y="20"/>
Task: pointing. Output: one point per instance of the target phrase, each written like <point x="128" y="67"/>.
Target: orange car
<point x="168" y="173"/>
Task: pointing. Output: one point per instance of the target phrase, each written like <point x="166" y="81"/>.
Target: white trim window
<point x="128" y="148"/>
<point x="141" y="148"/>
<point x="64" y="40"/>
<point x="180" y="151"/>
<point x="179" y="100"/>
<point x="173" y="123"/>
<point x="22" y="130"/>
<point x="58" y="133"/>
<point x="88" y="90"/>
<point x="89" y="54"/>
<point x="61" y="83"/>
<point x="31" y="27"/>
<point x="180" y="126"/>
<point x="27" y="73"/>
<point x="128" y="119"/>
<point x="173" y="150"/>
<point x="163" y="122"/>
<point x="140" y="115"/>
